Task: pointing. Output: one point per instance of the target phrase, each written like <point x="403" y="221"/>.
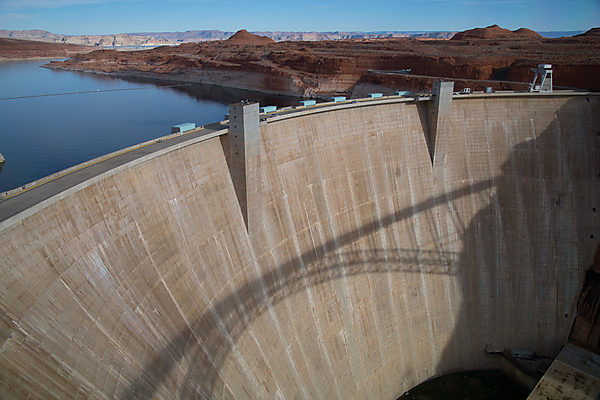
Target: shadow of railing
<point x="209" y="340"/>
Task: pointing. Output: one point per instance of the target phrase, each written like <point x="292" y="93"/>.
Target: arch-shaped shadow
<point x="224" y="324"/>
<point x="223" y="333"/>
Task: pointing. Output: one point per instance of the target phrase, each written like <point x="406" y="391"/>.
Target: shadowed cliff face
<point x="513" y="294"/>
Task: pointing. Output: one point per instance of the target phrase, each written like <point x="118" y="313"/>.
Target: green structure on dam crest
<point x="354" y="251"/>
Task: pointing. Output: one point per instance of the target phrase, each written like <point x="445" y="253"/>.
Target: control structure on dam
<point x="347" y="251"/>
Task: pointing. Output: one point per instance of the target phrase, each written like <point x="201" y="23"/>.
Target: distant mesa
<point x="591" y="32"/>
<point x="245" y="37"/>
<point x="118" y="40"/>
<point x="495" y="32"/>
<point x="16" y="49"/>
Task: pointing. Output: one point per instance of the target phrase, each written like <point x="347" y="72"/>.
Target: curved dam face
<point x="381" y="258"/>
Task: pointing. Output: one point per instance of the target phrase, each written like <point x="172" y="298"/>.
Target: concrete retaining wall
<point x="374" y="269"/>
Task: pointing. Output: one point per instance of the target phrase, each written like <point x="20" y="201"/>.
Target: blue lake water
<point x="43" y="135"/>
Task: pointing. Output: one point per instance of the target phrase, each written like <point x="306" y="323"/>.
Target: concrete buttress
<point x="440" y="108"/>
<point x="244" y="132"/>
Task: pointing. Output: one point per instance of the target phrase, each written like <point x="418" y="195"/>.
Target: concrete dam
<point x="349" y="251"/>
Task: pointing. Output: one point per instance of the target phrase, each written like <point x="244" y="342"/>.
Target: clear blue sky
<point x="77" y="17"/>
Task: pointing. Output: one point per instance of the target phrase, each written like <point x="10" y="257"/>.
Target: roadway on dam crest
<point x="21" y="199"/>
<point x="34" y="193"/>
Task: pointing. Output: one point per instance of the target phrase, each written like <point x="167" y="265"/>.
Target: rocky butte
<point x="480" y="58"/>
<point x="344" y="250"/>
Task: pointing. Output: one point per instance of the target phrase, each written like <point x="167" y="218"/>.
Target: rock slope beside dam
<point x="380" y="260"/>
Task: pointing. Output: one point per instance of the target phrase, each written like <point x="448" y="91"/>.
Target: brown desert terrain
<point x="479" y="58"/>
<point x="18" y="49"/>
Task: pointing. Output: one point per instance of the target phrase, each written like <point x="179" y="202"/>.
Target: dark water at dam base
<point x="472" y="385"/>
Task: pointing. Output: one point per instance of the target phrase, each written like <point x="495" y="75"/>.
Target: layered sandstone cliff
<point x="324" y="68"/>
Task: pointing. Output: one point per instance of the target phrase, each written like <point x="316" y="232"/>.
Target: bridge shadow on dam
<point x="208" y="341"/>
<point x="227" y="320"/>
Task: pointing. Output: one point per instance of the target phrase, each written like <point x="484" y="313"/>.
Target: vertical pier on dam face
<point x="439" y="109"/>
<point x="244" y="160"/>
<point x="370" y="273"/>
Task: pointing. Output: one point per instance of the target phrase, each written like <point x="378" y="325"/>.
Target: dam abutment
<point x="371" y="269"/>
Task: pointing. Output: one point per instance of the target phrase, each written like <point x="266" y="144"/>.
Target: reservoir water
<point x="51" y="120"/>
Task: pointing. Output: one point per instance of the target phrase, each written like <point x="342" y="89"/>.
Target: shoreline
<point x="3" y="59"/>
<point x="224" y="79"/>
<point x="358" y="90"/>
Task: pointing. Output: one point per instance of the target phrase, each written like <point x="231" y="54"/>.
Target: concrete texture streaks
<point x="371" y="269"/>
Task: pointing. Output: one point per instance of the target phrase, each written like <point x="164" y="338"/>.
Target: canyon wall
<point x="378" y="263"/>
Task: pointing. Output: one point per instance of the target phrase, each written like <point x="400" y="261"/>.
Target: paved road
<point x="14" y="204"/>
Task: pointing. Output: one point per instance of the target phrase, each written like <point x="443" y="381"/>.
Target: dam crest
<point x="371" y="246"/>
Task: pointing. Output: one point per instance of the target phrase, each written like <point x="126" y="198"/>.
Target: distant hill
<point x="244" y="37"/>
<point x="558" y="34"/>
<point x="281" y="36"/>
<point x="153" y="39"/>
<point x="591" y="32"/>
<point x="187" y="36"/>
<point x="33" y="34"/>
<point x="495" y="32"/>
<point x="120" y="40"/>
<point x="16" y="49"/>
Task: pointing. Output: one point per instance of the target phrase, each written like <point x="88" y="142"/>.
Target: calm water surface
<point x="43" y="135"/>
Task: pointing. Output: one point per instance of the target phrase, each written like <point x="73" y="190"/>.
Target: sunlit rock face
<point x="375" y="265"/>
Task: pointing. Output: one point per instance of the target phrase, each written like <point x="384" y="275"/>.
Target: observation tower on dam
<point x="338" y="251"/>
